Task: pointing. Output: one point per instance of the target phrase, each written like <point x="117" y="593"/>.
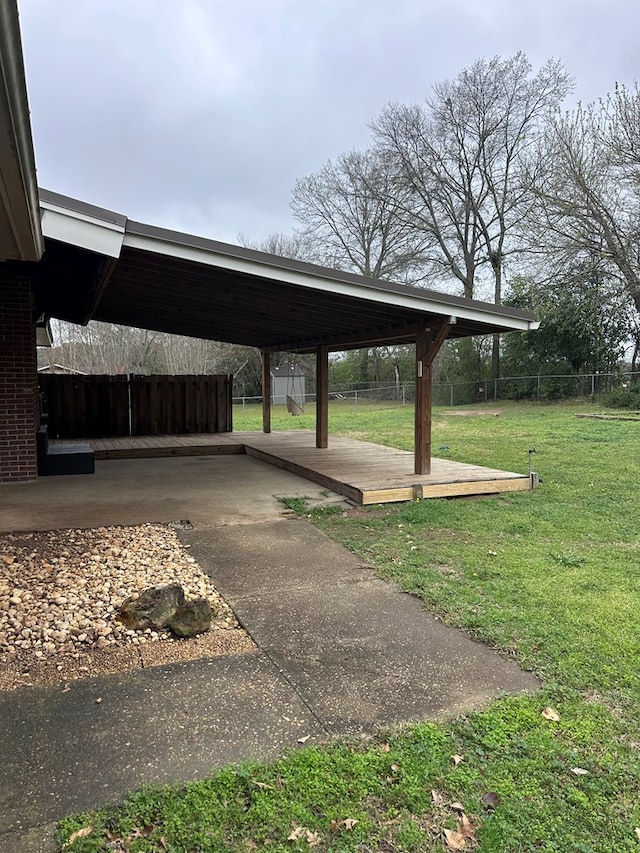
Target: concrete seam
<point x="284" y="675"/>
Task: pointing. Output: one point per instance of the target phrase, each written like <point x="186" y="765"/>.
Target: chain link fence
<point x="534" y="388"/>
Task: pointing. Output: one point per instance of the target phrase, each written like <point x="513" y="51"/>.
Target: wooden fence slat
<point x="97" y="406"/>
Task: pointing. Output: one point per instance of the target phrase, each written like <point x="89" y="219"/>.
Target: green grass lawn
<point x="551" y="577"/>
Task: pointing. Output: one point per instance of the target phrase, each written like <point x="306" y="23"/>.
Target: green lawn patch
<point x="551" y="577"/>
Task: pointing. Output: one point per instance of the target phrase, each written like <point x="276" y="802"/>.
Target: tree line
<point x="489" y="189"/>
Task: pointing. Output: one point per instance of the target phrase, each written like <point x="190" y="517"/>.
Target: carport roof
<point x="100" y="265"/>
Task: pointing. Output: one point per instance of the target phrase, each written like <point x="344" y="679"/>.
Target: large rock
<point x="191" y="618"/>
<point x="153" y="608"/>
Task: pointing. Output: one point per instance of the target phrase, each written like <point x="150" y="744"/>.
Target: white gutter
<point x="21" y="238"/>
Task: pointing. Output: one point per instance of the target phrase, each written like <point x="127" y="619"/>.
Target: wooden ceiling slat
<point x="217" y="288"/>
<point x="179" y="296"/>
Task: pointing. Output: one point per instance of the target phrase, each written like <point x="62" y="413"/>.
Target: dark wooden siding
<point x="103" y="406"/>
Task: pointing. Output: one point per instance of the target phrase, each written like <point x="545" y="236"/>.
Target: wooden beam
<point x="266" y="391"/>
<point x="422" y="424"/>
<point x="322" y="397"/>
<point x="428" y="345"/>
<point x="439" y="338"/>
<point x="339" y="342"/>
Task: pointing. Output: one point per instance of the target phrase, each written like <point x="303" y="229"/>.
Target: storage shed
<point x="288" y="380"/>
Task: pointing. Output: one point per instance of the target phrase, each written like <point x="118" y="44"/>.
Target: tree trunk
<point x="495" y="347"/>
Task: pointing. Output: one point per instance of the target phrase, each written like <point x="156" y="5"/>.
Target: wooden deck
<point x="363" y="472"/>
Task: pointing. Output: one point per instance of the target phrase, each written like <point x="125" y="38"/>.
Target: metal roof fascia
<point x="356" y="286"/>
<point x="73" y="205"/>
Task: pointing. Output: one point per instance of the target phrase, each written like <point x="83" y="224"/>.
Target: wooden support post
<point x="427" y="348"/>
<point x="422" y="428"/>
<point x="322" y="397"/>
<point x="266" y="391"/>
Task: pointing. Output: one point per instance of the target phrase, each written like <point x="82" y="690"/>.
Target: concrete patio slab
<point x="207" y="490"/>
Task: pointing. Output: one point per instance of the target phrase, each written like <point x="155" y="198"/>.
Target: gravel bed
<point x="60" y="593"/>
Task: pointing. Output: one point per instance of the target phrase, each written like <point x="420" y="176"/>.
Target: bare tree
<point x="622" y="136"/>
<point x="462" y="156"/>
<point x="107" y="348"/>
<point x="353" y="221"/>
<point x="588" y="186"/>
<point x="181" y="355"/>
<point x="296" y="245"/>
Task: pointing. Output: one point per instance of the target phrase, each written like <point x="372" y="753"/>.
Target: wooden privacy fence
<point x="101" y="406"/>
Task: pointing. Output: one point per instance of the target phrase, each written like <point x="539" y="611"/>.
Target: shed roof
<point x="100" y="265"/>
<point x="287" y="370"/>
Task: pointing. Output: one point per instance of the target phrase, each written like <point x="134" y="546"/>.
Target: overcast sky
<point x="199" y="115"/>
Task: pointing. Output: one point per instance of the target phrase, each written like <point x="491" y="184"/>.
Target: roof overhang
<point x="44" y="338"/>
<point x="100" y="265"/>
<point x="20" y="233"/>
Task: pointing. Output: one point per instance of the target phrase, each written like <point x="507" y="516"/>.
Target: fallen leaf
<point x="263" y="785"/>
<point x="163" y="842"/>
<point x="437" y="797"/>
<point x="465" y="827"/>
<point x="454" y="840"/>
<point x="490" y="800"/>
<point x="296" y="833"/>
<point x="394" y="767"/>
<point x="385" y="747"/>
<point x="638" y="832"/>
<point x="142" y="833"/>
<point x="551" y="714"/>
<point x="304" y="738"/>
<point x="79" y="833"/>
<point x="457" y="759"/>
<point x="579" y="771"/>
<point x="313" y="838"/>
<point x="345" y="823"/>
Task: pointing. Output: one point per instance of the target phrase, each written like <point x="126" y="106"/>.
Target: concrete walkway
<point x="358" y="651"/>
<point x="339" y="651"/>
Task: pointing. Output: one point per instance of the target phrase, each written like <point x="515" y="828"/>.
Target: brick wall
<point x="19" y="406"/>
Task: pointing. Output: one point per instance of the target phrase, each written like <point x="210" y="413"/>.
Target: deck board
<point x="362" y="471"/>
